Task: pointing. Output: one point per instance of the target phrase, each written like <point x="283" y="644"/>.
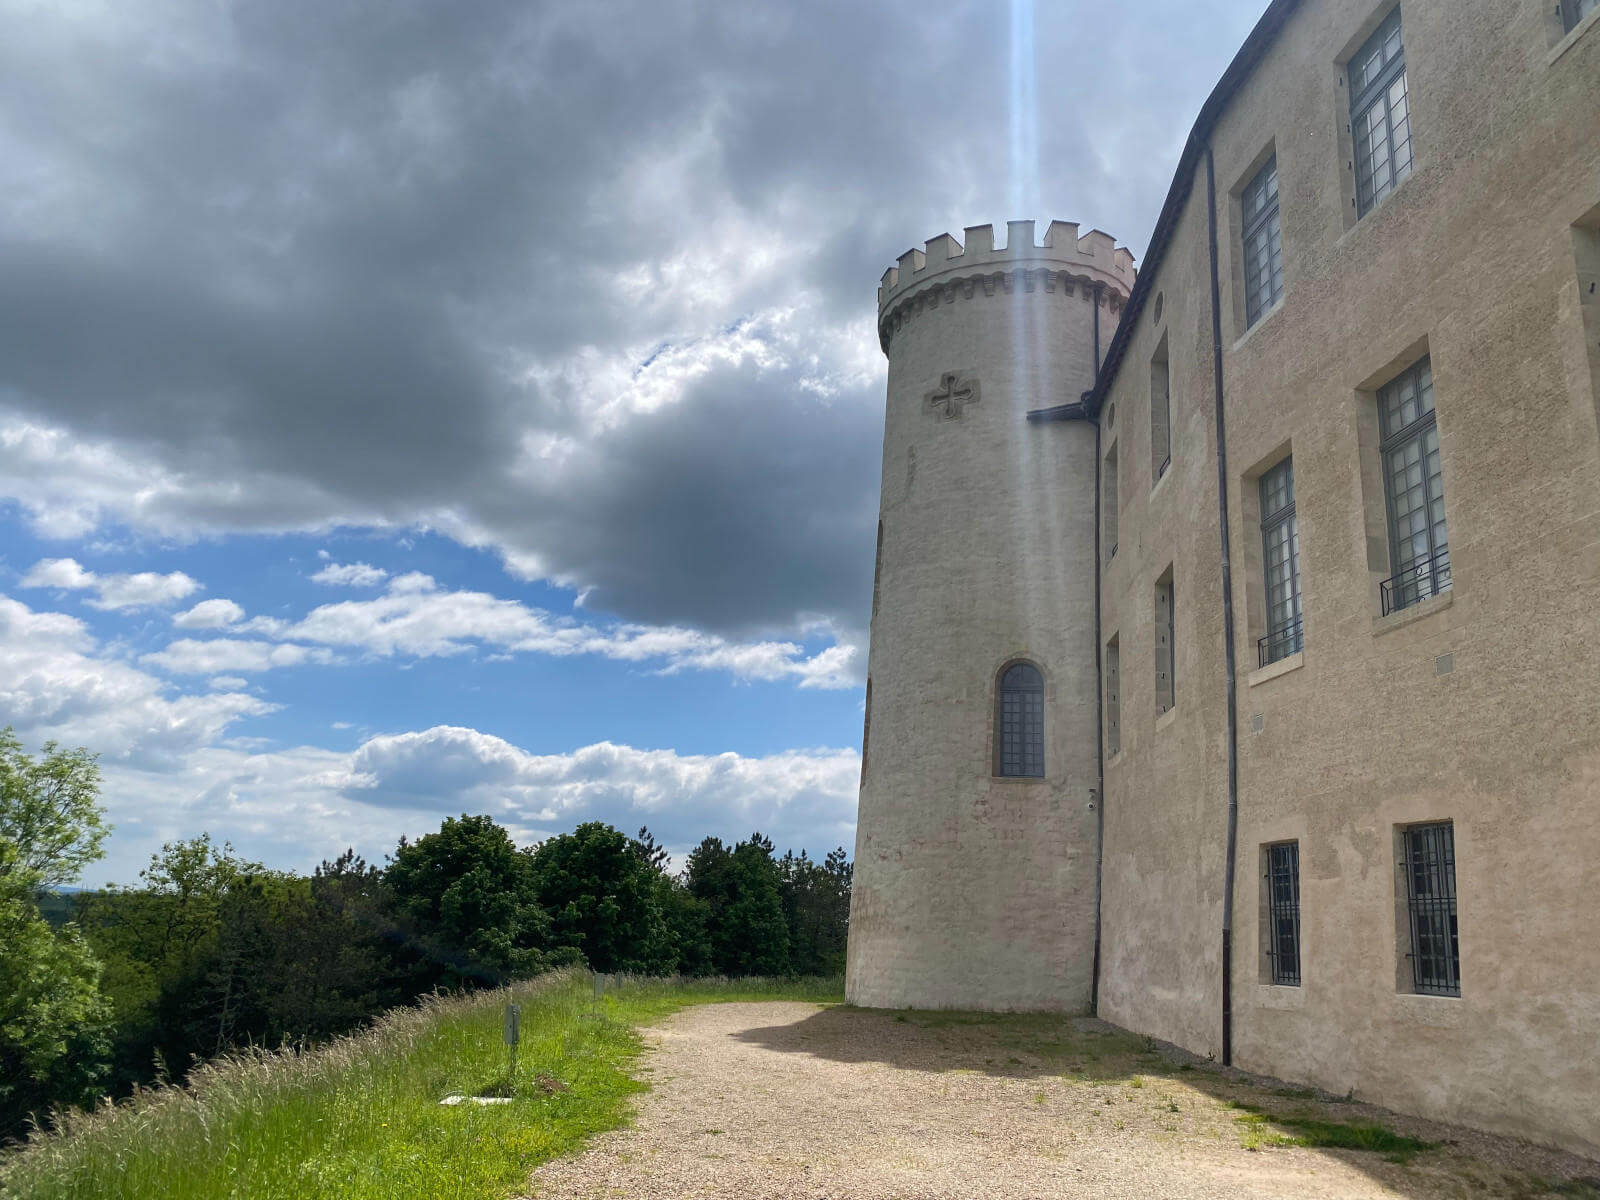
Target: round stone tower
<point x="974" y="878"/>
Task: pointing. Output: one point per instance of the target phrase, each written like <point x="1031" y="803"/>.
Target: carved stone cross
<point x="954" y="393"/>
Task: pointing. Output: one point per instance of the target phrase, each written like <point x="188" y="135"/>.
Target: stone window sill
<point x="1443" y="1012"/>
<point x="1166" y="718"/>
<point x="1416" y="612"/>
<point x="1114" y="761"/>
<point x="1361" y="222"/>
<point x="1571" y="39"/>
<point x="1272" y="670"/>
<point x="1261" y="322"/>
<point x="1280" y="996"/>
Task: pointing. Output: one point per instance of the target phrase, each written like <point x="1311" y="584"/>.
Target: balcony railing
<point x="1416" y="581"/>
<point x="1280" y="643"/>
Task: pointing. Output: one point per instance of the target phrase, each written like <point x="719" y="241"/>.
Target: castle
<point x="1235" y="658"/>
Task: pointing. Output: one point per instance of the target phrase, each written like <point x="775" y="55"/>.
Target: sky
<point x="414" y="408"/>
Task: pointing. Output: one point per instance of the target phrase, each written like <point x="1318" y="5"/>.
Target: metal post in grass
<point x="513" y="1035"/>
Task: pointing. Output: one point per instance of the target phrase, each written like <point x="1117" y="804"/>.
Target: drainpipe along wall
<point x="1227" y="623"/>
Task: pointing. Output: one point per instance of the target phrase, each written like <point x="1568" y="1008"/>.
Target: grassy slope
<point x="361" y="1118"/>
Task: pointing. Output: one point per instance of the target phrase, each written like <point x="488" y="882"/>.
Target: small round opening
<point x="1161" y="303"/>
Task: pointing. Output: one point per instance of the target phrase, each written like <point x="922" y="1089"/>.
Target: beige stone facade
<point x="1475" y="704"/>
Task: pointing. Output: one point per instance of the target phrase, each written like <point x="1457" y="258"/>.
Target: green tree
<point x="598" y="887"/>
<point x="54" y="1021"/>
<point x="741" y="889"/>
<point x="50" y="811"/>
<point x="466" y="897"/>
<point x="816" y="906"/>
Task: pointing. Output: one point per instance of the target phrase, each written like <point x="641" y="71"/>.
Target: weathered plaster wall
<point x="1473" y="261"/>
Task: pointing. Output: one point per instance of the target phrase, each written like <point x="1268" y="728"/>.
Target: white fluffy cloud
<point x="682" y="797"/>
<point x="190" y="656"/>
<point x="143" y="589"/>
<point x="417" y="617"/>
<point x="350" y="575"/>
<point x="210" y="614"/>
<point x="56" y="683"/>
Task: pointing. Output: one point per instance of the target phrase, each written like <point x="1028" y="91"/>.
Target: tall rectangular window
<point x="1263" y="243"/>
<point x="1109" y="503"/>
<point x="1166" y="646"/>
<point x="1380" y="115"/>
<point x="1160" y="414"/>
<point x="1283" y="912"/>
<point x="1430" y="867"/>
<point x="1413" y="489"/>
<point x="1573" y="11"/>
<point x="1113" y="698"/>
<point x="1280" y="550"/>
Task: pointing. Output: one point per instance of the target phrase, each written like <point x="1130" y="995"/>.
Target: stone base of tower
<point x="922" y="936"/>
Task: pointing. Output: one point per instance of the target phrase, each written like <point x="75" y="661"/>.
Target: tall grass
<point x="360" y="1117"/>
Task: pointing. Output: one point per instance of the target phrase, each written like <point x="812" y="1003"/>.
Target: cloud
<point x="189" y="656"/>
<point x="145" y="589"/>
<point x="350" y="575"/>
<point x="209" y="614"/>
<point x="682" y="797"/>
<point x="228" y="683"/>
<point x="587" y="283"/>
<point x="57" y="684"/>
<point x="418" y="618"/>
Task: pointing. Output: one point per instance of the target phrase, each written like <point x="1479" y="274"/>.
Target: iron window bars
<point x="1166" y="647"/>
<point x="1430" y="867"/>
<point x="1280" y="547"/>
<point x="1022" y="721"/>
<point x="1380" y="115"/>
<point x="1413" y="486"/>
<point x="1573" y="11"/>
<point x="1283" y="912"/>
<point x="1263" y="243"/>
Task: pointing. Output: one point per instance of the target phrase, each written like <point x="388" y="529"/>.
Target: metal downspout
<point x="1227" y="624"/>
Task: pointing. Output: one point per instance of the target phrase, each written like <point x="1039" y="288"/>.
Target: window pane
<point x="1022" y="721"/>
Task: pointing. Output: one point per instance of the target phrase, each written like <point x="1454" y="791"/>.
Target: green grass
<point x="1262" y="1129"/>
<point x="360" y="1119"/>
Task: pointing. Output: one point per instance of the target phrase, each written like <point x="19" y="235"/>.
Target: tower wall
<point x="971" y="890"/>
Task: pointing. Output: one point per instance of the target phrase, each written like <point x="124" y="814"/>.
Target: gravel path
<point x="795" y="1101"/>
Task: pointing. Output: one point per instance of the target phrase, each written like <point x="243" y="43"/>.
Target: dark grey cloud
<point x="365" y="261"/>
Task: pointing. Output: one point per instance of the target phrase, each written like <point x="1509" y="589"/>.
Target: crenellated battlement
<point x="1064" y="261"/>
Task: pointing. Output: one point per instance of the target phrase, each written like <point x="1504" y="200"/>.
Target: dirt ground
<point x="796" y="1101"/>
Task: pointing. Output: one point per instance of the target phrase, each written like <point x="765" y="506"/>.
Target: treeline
<point x="212" y="951"/>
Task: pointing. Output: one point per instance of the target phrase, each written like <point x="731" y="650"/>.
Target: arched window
<point x="1020" y="721"/>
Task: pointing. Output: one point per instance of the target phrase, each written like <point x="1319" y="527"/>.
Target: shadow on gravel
<point x="1409" y="1156"/>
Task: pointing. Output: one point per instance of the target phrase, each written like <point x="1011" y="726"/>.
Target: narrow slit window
<point x="1283" y="912"/>
<point x="1413" y="485"/>
<point x="1109" y="502"/>
<point x="1280" y="548"/>
<point x="1021" y="720"/>
<point x="1380" y="115"/>
<point x="1160" y="414"/>
<point x="1430" y="867"/>
<point x="1166" y="646"/>
<point x="1263" y="243"/>
<point x="1113" y="698"/>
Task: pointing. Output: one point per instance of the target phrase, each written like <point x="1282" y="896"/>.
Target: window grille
<point x="1022" y="721"/>
<point x="1263" y="243"/>
<point x="1413" y="486"/>
<point x="1283" y="912"/>
<point x="1109" y="503"/>
<point x="1166" y="647"/>
<point x="1380" y="115"/>
<point x="1160" y="415"/>
<point x="1113" y="698"/>
<point x="1430" y="867"/>
<point x="1280" y="545"/>
<point x="1573" y="11"/>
